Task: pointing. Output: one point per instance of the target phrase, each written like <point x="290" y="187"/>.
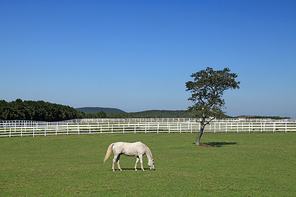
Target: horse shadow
<point x="133" y="169"/>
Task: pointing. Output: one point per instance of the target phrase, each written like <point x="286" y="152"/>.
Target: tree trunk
<point x="199" y="136"/>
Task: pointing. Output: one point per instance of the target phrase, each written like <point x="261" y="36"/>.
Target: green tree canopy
<point x="207" y="90"/>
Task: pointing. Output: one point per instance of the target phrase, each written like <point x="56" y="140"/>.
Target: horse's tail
<point x="108" y="153"/>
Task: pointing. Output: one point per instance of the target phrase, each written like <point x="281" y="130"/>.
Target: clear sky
<point x="137" y="55"/>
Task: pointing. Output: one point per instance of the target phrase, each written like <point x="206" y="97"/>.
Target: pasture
<point x="242" y="164"/>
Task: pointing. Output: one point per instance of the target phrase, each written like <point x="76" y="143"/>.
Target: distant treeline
<point x="266" y="117"/>
<point x="37" y="110"/>
<point x="45" y="111"/>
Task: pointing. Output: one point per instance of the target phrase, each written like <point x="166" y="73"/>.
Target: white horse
<point x="130" y="149"/>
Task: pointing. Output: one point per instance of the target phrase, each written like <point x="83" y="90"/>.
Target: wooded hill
<point x="98" y="109"/>
<point x="160" y="114"/>
<point x="114" y="112"/>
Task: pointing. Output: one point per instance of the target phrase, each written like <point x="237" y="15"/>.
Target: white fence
<point x="95" y="126"/>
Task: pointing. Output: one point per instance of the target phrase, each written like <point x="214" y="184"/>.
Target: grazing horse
<point x="130" y="149"/>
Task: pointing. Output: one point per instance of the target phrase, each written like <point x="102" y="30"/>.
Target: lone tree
<point x="207" y="91"/>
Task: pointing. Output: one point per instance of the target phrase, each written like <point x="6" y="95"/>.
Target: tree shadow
<point x="220" y="144"/>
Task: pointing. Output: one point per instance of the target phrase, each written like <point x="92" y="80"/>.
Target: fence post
<point x="273" y="127"/>
<point x="157" y="127"/>
<point x="286" y="124"/>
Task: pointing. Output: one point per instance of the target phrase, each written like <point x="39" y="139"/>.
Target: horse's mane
<point x="148" y="153"/>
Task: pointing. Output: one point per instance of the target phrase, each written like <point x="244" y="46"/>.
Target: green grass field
<point x="242" y="164"/>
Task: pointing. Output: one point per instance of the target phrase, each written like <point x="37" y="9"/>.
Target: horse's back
<point x="133" y="149"/>
<point x="128" y="143"/>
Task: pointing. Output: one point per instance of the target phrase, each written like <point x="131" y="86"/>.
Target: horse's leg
<point x="118" y="158"/>
<point x="141" y="161"/>
<point x="136" y="163"/>
<point x="114" y="159"/>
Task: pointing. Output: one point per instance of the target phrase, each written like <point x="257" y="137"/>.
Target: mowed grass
<point x="242" y="164"/>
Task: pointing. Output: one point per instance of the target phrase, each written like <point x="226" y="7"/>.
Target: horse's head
<point x="151" y="164"/>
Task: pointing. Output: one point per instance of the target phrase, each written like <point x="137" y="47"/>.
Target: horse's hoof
<point x="136" y="170"/>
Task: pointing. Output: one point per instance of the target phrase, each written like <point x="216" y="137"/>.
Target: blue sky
<point x="138" y="55"/>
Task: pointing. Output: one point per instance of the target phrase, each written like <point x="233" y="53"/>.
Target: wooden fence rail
<point x="92" y="127"/>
